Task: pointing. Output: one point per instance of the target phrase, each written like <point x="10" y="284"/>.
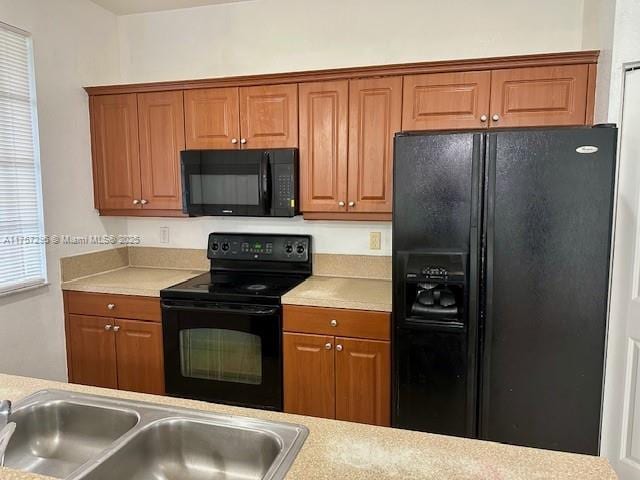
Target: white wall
<point x="597" y="34"/>
<point x="75" y="44"/>
<point x="265" y="36"/>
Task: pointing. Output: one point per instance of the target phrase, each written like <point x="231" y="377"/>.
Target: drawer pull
<point x="333" y="323"/>
<point x="111" y="306"/>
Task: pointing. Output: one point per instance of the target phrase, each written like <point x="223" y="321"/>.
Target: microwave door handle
<point x="265" y="181"/>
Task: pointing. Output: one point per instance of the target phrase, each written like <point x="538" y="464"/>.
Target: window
<point x="22" y="261"/>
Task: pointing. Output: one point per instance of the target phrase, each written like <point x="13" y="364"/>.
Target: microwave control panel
<point x="280" y="248"/>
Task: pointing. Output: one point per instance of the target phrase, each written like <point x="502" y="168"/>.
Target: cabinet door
<point x="140" y="356"/>
<point x="439" y="101"/>
<point x="212" y="118"/>
<point x="323" y="146"/>
<point x="114" y="126"/>
<point x="363" y="381"/>
<point x="161" y="128"/>
<point x="269" y="116"/>
<point x="375" y="109"/>
<point x="539" y="96"/>
<point x="309" y="381"/>
<point x="93" y="351"/>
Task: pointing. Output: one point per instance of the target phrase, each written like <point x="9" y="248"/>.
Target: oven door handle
<point x="238" y="311"/>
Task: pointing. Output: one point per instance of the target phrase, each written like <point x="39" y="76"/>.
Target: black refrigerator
<point x="501" y="251"/>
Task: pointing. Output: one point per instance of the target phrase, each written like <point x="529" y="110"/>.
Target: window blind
<point x="22" y="262"/>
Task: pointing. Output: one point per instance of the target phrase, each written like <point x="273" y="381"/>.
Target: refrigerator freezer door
<point x="548" y="228"/>
<point x="436" y="209"/>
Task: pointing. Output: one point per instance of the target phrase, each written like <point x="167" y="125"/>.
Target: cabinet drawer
<point x="339" y="322"/>
<point x="124" y="306"/>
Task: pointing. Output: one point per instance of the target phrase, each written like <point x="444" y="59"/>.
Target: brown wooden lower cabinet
<point x="363" y="383"/>
<point x="335" y="376"/>
<point x="114" y="352"/>
<point x="140" y="356"/>
<point x="93" y="351"/>
<point x="309" y="375"/>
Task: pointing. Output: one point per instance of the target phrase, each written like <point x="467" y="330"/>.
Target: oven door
<point x="226" y="182"/>
<point x="225" y="353"/>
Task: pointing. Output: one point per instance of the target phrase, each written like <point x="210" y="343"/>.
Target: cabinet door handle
<point x="116" y="328"/>
<point x="108" y="327"/>
<point x="352" y="204"/>
<point x="143" y="201"/>
<point x="136" y="201"/>
<point x="328" y="346"/>
<point x="243" y="141"/>
<point x="111" y="306"/>
<point x="339" y="348"/>
<point x="234" y="140"/>
<point x="495" y="117"/>
<point x="341" y="204"/>
<point x="333" y="323"/>
<point x="483" y="118"/>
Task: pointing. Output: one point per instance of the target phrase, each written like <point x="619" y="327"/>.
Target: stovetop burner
<point x="256" y="287"/>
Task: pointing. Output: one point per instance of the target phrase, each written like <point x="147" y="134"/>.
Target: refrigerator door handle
<point x="489" y="234"/>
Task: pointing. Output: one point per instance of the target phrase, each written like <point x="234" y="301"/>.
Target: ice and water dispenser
<point x="434" y="287"/>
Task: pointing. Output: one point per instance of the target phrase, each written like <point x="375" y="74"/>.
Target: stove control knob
<point x="300" y="249"/>
<point x="288" y="248"/>
<point x="215" y="246"/>
<point x="225" y="246"/>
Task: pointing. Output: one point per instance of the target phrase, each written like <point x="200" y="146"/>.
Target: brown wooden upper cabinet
<point x="512" y="97"/>
<point x="539" y="96"/>
<point x="137" y="139"/>
<point x="324" y="116"/>
<point x="116" y="155"/>
<point x="346" y="145"/>
<point x="211" y="118"/>
<point x="246" y="117"/>
<point x="442" y="101"/>
<point x="269" y="116"/>
<point x="161" y="133"/>
<point x="375" y="113"/>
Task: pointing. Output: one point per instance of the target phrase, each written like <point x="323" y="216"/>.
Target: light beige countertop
<point x="143" y="281"/>
<point x="337" y="292"/>
<point x="343" y="450"/>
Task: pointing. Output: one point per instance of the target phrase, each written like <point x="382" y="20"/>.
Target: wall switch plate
<point x="375" y="240"/>
<point x="164" y="234"/>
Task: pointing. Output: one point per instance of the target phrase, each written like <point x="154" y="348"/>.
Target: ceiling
<point x="127" y="7"/>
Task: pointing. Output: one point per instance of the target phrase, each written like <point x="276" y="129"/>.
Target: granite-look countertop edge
<point x="353" y="451"/>
<point x="341" y="292"/>
<point x="138" y="281"/>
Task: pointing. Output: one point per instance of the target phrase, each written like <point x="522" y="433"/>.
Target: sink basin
<point x="77" y="436"/>
<point x="181" y="449"/>
<point x="56" y="437"/>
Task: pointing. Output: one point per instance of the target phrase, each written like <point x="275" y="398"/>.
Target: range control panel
<point x="244" y="246"/>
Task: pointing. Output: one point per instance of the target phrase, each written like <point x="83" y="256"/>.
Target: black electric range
<point x="223" y="329"/>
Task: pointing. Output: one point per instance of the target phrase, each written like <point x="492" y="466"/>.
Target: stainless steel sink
<point x="76" y="436"/>
<point x="56" y="437"/>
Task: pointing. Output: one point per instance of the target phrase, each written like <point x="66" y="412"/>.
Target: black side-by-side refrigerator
<point x="501" y="251"/>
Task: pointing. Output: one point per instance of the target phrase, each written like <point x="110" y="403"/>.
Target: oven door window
<point x="222" y="355"/>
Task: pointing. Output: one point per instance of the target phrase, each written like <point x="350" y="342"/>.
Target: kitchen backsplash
<point x="352" y="238"/>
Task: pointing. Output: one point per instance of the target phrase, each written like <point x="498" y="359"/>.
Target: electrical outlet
<point x="375" y="240"/>
<point x="164" y="234"/>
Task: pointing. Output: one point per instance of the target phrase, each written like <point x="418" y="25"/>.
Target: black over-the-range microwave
<point x="256" y="183"/>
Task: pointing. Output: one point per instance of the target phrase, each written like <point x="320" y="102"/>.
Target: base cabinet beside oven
<point x="337" y="364"/>
<point x="105" y="350"/>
